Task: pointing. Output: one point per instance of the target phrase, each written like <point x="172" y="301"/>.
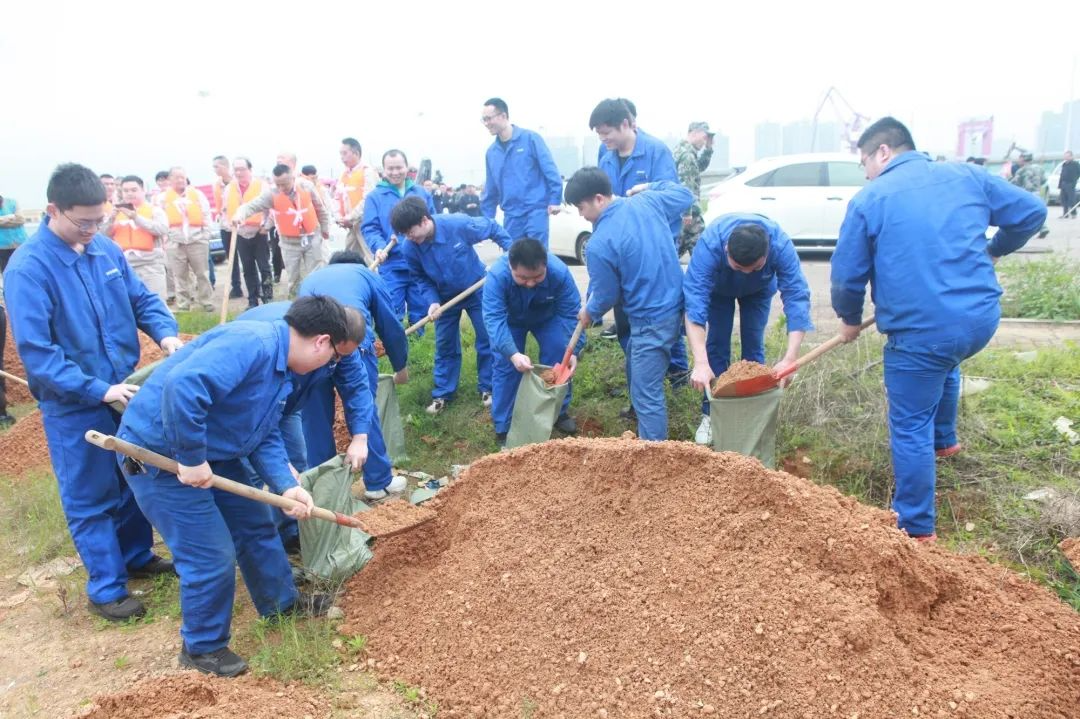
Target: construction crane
<point x="854" y="122"/>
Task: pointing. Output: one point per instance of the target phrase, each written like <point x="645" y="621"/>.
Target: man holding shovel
<point x="442" y="263"/>
<point x="631" y="258"/>
<point x="352" y="284"/>
<point x="214" y="403"/>
<point x="740" y="258"/>
<point x="75" y="305"/>
<point x="917" y="234"/>
<point x="528" y="290"/>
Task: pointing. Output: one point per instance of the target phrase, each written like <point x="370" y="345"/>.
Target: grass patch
<point x="33" y="529"/>
<point x="1046" y="289"/>
<point x="292" y="649"/>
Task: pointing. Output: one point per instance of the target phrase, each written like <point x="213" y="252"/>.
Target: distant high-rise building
<point x="802" y="136"/>
<point x="1054" y="126"/>
<point x="768" y="140"/>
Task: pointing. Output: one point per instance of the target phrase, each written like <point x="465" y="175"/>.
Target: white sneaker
<point x="704" y="431"/>
<point x="437" y="405"/>
<point x="396" y="487"/>
<point x="485" y="397"/>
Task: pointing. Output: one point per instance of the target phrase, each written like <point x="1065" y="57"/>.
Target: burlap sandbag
<point x="330" y="551"/>
<point x="746" y="425"/>
<point x="386" y="402"/>
<point x="535" y="410"/>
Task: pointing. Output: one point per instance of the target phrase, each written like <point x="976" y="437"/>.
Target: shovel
<point x="757" y="385"/>
<point x="390" y="245"/>
<point x="228" y="274"/>
<point x="115" y="444"/>
<point x="561" y="371"/>
<point x="20" y="380"/>
<point x="447" y="305"/>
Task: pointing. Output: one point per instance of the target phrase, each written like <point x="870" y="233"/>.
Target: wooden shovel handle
<point x="228" y="274"/>
<point x="573" y="343"/>
<point x="391" y="245"/>
<point x="448" y="304"/>
<point x="20" y="380"/>
<point x="820" y="350"/>
<point x="115" y="444"/>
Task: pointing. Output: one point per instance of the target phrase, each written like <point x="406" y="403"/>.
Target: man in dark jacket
<point x="1070" y="173"/>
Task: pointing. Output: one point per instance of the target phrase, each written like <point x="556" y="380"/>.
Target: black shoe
<point x="277" y="277"/>
<point x="223" y="663"/>
<point x="119" y="611"/>
<point x="1043" y="233"/>
<point x="235" y="293"/>
<point x="154" y="567"/>
<point x="252" y="303"/>
<point x="629" y="413"/>
<point x="566" y="424"/>
<point x="679" y="378"/>
<point x="292" y="545"/>
<point x="610" y="333"/>
<point x="309" y="605"/>
<point x="500" y="439"/>
<point x="267" y="291"/>
<point x="6" y="420"/>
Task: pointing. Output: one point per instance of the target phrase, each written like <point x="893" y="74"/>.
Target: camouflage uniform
<point x="690" y="165"/>
<point x="1031" y="177"/>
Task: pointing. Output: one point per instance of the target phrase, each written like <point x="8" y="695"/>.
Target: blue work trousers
<point x="318" y="422"/>
<point x="680" y="361"/>
<point x="396" y="277"/>
<point x="209" y="532"/>
<point x="922" y="380"/>
<point x="648" y="355"/>
<point x="448" y="348"/>
<point x="110" y="534"/>
<point x="753" y="319"/>
<point x="552" y="338"/>
<point x="534" y="224"/>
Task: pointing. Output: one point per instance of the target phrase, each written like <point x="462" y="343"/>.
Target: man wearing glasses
<point x="75" y="305"/>
<point x="520" y="176"/>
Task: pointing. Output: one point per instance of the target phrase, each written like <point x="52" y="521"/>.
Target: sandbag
<point x="138" y="377"/>
<point x="535" y="410"/>
<point x="330" y="551"/>
<point x="746" y="425"/>
<point x="386" y="402"/>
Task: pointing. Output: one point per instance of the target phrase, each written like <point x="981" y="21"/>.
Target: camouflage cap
<point x="701" y="126"/>
<point x="1027" y="156"/>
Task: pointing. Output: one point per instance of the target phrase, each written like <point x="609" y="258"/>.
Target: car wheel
<point x="579" y="249"/>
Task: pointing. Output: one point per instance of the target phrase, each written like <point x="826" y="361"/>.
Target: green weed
<point x="1046" y="288"/>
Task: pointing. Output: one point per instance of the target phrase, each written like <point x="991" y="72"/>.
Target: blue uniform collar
<point x="439" y="238"/>
<point x="282" y="364"/>
<point x="614" y="204"/>
<point x="63" y="250"/>
<point x="903" y="159"/>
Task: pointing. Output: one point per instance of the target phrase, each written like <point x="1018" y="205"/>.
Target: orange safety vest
<point x="190" y="203"/>
<point x="232" y="200"/>
<point x="218" y="188"/>
<point x="129" y="235"/>
<point x="352" y="186"/>
<point x="295" y="220"/>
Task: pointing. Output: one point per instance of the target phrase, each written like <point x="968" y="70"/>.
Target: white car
<point x="807" y="195"/>
<point x="568" y="234"/>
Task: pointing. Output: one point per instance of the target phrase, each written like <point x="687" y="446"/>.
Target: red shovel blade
<point x="747" y="387"/>
<point x="561" y="373"/>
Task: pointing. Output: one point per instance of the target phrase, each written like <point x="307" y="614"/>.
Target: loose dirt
<point x="380" y="350"/>
<point x="393" y="517"/>
<point x="618" y="578"/>
<point x="1070" y="547"/>
<point x="17" y="393"/>
<point x="149" y="350"/>
<point x="23" y="448"/>
<point x="743" y="369"/>
<point x="548" y="376"/>
<point x="190" y="694"/>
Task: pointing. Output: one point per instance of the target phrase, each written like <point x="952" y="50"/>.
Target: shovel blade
<point x="747" y="387"/>
<point x="561" y="373"/>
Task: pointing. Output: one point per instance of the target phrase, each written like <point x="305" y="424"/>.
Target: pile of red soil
<point x="392" y="517"/>
<point x="342" y="436"/>
<point x="619" y="578"/>
<point x="23" y="448"/>
<point x="548" y="377"/>
<point x="1070" y="547"/>
<point x="380" y="350"/>
<point x="17" y="392"/>
<point x="195" y="695"/>
<point x="151" y="352"/>
<point x="743" y="369"/>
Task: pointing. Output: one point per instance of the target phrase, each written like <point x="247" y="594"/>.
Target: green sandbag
<point x="330" y="551"/>
<point x="746" y="425"/>
<point x="535" y="410"/>
<point x="386" y="403"/>
<point x="138" y="377"/>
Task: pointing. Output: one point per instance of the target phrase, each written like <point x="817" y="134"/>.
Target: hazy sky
<point x="135" y="87"/>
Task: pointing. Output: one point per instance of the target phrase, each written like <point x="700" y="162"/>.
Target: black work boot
<point x="566" y="424"/>
<point x="119" y="611"/>
<point x="223" y="663"/>
<point x="267" y="291"/>
<point x="154" y="567"/>
<point x="309" y="604"/>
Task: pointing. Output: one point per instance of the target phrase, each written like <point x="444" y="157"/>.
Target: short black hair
<point x="357" y="325"/>
<point x="407" y="214"/>
<point x="72" y="184"/>
<point x="246" y="160"/>
<point x="528" y="253"/>
<point x="346" y="257"/>
<point x="281" y="169"/>
<point x="499" y="104"/>
<point x="132" y="178"/>
<point x="611" y="112"/>
<point x="585" y="184"/>
<point x="219" y="158"/>
<point x="887" y="131"/>
<point x="395" y="153"/>
<point x="354" y="144"/>
<point x="629" y="106"/>
<point x="315" y="315"/>
<point x="163" y="175"/>
<point x="308" y="170"/>
<point x="747" y="244"/>
<point x="106" y="175"/>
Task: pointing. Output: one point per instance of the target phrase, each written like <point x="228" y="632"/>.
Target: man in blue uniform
<point x="520" y="176"/>
<point x="75" y="305"/>
<point x="351" y="283"/>
<point x="744" y="258"/>
<point x="917" y="234"/>
<point x="377" y="233"/>
<point x="214" y="403"/>
<point x="443" y="263"/>
<point x="350" y="377"/>
<point x="631" y="258"/>
<point x="631" y="157"/>
<point x="528" y="290"/>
